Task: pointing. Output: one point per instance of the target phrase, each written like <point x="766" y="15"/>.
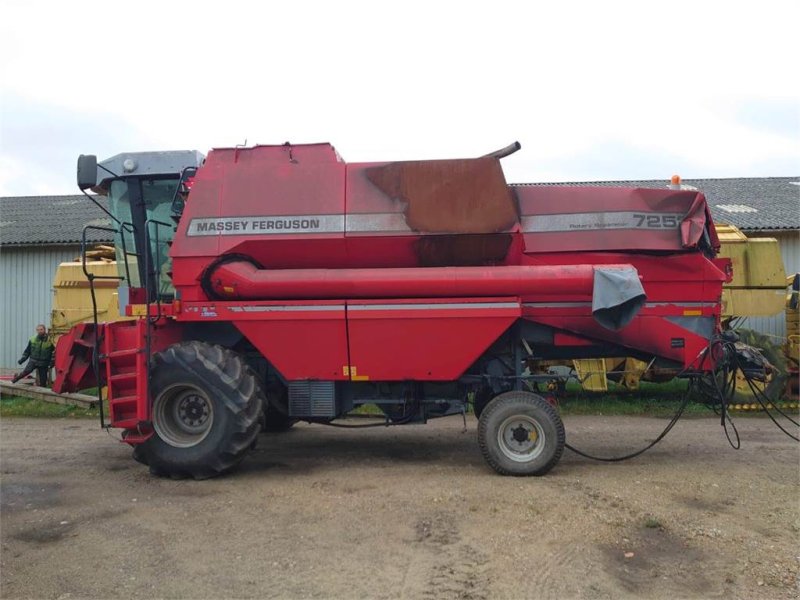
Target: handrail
<point x="178" y="189"/>
<point x="91" y="277"/>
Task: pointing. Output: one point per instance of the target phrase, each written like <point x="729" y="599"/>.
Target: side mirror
<point x="87" y="171"/>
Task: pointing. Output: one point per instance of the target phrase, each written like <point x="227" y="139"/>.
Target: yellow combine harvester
<point x="758" y="288"/>
<point x="72" y="302"/>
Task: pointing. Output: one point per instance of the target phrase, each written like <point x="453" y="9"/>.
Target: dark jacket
<point x="41" y="352"/>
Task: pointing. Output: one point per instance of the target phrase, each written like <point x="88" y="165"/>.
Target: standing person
<point x="40" y="354"/>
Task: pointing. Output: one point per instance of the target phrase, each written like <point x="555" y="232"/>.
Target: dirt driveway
<point x="409" y="512"/>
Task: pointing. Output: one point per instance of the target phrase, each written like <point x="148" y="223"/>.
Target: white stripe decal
<point x="684" y="304"/>
<point x="377" y="222"/>
<point x="286" y="308"/>
<point x="369" y="307"/>
<point x="447" y="306"/>
<point x="555" y="304"/>
<point x="647" y="304"/>
<point x="394" y="222"/>
<point x="288" y="224"/>
<point x="266" y="225"/>
<point x="600" y="221"/>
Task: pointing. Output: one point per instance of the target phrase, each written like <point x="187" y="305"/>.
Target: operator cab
<point x="143" y="191"/>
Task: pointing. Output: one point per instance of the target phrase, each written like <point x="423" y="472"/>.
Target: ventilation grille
<point x="312" y="399"/>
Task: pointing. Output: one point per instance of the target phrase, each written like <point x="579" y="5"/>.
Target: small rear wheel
<point x="520" y="434"/>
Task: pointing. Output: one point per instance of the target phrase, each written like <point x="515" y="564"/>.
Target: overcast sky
<point x="592" y="90"/>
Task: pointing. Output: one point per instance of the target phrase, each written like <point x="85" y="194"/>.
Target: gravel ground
<point x="409" y="512"/>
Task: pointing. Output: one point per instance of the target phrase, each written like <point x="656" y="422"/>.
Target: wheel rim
<point x="521" y="438"/>
<point x="183" y="416"/>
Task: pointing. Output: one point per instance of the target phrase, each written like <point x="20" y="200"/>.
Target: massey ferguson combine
<point x="278" y="283"/>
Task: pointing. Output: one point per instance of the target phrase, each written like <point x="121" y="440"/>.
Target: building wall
<point x="789" y="242"/>
<point x="26" y="295"/>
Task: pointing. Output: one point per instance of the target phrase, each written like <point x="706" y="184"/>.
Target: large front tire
<point x="520" y="434"/>
<point x="206" y="407"/>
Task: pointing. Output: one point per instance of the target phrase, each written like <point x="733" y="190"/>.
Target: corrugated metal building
<point x="36" y="234"/>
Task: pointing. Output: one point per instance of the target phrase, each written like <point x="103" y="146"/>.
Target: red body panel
<point x="302" y="341"/>
<point x="422" y="339"/>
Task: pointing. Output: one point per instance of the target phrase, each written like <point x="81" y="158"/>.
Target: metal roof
<point x="749" y="203"/>
<point x="50" y="220"/>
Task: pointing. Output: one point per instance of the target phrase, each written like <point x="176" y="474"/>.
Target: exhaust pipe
<point x="503" y="152"/>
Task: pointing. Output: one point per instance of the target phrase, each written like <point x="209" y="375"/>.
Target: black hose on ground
<point x="728" y="363"/>
<point x="678" y="414"/>
<point x="661" y="436"/>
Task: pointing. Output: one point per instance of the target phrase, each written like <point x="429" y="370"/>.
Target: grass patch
<point x="673" y="386"/>
<point x="367" y="409"/>
<point x="16" y="406"/>
<point x="652" y="523"/>
<point x="651" y="399"/>
<point x="631" y="405"/>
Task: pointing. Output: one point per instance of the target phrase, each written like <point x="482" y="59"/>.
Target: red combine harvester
<point x="279" y="283"/>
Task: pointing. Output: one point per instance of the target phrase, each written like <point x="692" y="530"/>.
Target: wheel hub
<point x="183" y="416"/>
<point x="521" y="438"/>
<point x="520" y="434"/>
<point x="193" y="411"/>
